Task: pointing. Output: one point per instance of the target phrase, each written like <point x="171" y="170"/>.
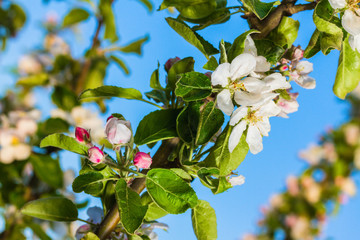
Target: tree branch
<point x="265" y="26"/>
<point x="160" y="160"/>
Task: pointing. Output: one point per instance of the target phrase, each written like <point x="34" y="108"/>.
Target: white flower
<point x="337" y="4"/>
<point x="276" y="200"/>
<point x="257" y="121"/>
<point x="313" y="155"/>
<point x="29" y="65"/>
<point x="26" y="126"/>
<point x="237" y="181"/>
<point x="348" y="186"/>
<point x="354" y="42"/>
<point x="118" y="131"/>
<point x="11" y="147"/>
<point x="300" y="75"/>
<point x="351" y="22"/>
<point x="288" y="105"/>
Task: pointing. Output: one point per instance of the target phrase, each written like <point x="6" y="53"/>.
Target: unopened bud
<point x="96" y="155"/>
<point x="142" y="160"/>
<point x="82" y="135"/>
<point x="117" y="131"/>
<point x="169" y="63"/>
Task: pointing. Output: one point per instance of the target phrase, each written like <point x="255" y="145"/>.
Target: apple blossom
<point x="301" y="229"/>
<point x="82" y="135"/>
<point x="313" y="155"/>
<point x="12" y="146"/>
<point x="300" y="75"/>
<point x="142" y="160"/>
<point x="288" y="105"/>
<point x="26" y="126"/>
<point x="117" y="131"/>
<point x="276" y="201"/>
<point x="354" y="42"/>
<point x="237" y="181"/>
<point x="338" y="4"/>
<point x="96" y="155"/>
<point x="292" y="185"/>
<point x="351" y="22"/>
<point x="29" y="65"/>
<point x="257" y="120"/>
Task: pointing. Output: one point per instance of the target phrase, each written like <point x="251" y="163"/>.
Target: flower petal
<point x="354" y="42"/>
<point x="220" y="75"/>
<point x="235" y="135"/>
<point x="254" y="85"/>
<point x="250" y="46"/>
<point x="224" y="102"/>
<point x="237" y="115"/>
<point x="254" y="139"/>
<point x="277" y="81"/>
<point x="262" y="65"/>
<point x="253" y="99"/>
<point x="304" y="67"/>
<point x="269" y="109"/>
<point x="242" y="66"/>
<point x="337" y="4"/>
<point x="264" y="126"/>
<point x="351" y="22"/>
<point x="306" y="82"/>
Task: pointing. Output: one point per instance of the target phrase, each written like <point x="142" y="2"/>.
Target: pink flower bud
<point x="82" y="136"/>
<point x="95" y="155"/>
<point x="284" y="68"/>
<point x="117" y="131"/>
<point x="298" y="54"/>
<point x="169" y="63"/>
<point x="142" y="160"/>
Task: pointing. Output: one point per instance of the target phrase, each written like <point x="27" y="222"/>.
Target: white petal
<point x="254" y="85"/>
<point x="242" y="66"/>
<point x="304" y="67"/>
<point x="354" y="42"/>
<point x="220" y="75"/>
<point x="351" y="22"/>
<point x="269" y="109"/>
<point x="306" y="82"/>
<point x="254" y="139"/>
<point x="262" y="65"/>
<point x="264" y="126"/>
<point x="277" y="81"/>
<point x="235" y="135"/>
<point x="250" y="46"/>
<point x="237" y="115"/>
<point x="237" y="181"/>
<point x="337" y="4"/>
<point x="224" y="102"/>
<point x="253" y="99"/>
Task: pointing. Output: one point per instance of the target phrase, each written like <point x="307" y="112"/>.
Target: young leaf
<point x="223" y="50"/>
<point x="260" y="9"/>
<point x="91" y="183"/>
<point x="211" y="120"/>
<point x="187" y="122"/>
<point x="170" y="191"/>
<point x="193" y="86"/>
<point x="286" y="33"/>
<point x="109" y="20"/>
<point x="182" y="66"/>
<point x="158" y="96"/>
<point x="238" y="46"/>
<point x="269" y="50"/>
<point x="64" y="142"/>
<point x="90" y="236"/>
<point x="154" y="212"/>
<point x="149" y="129"/>
<point x="64" y="98"/>
<point x="347" y="76"/>
<point x="221" y="158"/>
<point x="111" y="91"/>
<point x="75" y="16"/>
<point x="53" y="209"/>
<point x="47" y="170"/>
<point x="132" y="212"/>
<point x="192" y="37"/>
<point x="314" y="45"/>
<point x="135" y="46"/>
<point x="211" y="65"/>
<point x="204" y="221"/>
<point x="34" y="80"/>
<point x="154" y="80"/>
<point x="121" y="64"/>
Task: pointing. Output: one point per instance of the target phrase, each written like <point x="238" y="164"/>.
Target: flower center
<point x="15" y="141"/>
<point x="252" y="117"/>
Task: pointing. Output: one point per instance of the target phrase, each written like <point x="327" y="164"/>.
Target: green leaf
<point x="221" y="158"/>
<point x="329" y="26"/>
<point x="211" y="65"/>
<point x="90" y="236"/>
<point x="170" y="191"/>
<point x="154" y="212"/>
<point x="204" y="221"/>
<point x="260" y="9"/>
<point x="54" y="125"/>
<point x="269" y="50"/>
<point x="157" y="96"/>
<point x="64" y="142"/>
<point x="39" y="79"/>
<point x="187" y="122"/>
<point x="135" y="46"/>
<point x="156" y="126"/>
<point x="148" y="4"/>
<point x="314" y="45"/>
<point x="286" y="33"/>
<point x="211" y="120"/>
<point x="75" y="16"/>
<point x="121" y="64"/>
<point x="208" y="176"/>
<point x="111" y="91"/>
<point x="223" y="54"/>
<point x="348" y="73"/>
<point x="154" y="80"/>
<point x="182" y="173"/>
<point x="109" y="20"/>
<point x="192" y="37"/>
<point x="132" y="212"/>
<point x="38" y="230"/>
<point x="192" y="9"/>
<point x="91" y="183"/>
<point x="182" y="66"/>
<point x="47" y="170"/>
<point x="64" y="98"/>
<point x="53" y="209"/>
<point x="193" y="86"/>
<point x="238" y="46"/>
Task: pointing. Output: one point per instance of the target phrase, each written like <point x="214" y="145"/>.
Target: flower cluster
<point x="258" y="92"/>
<point x="350" y="20"/>
<point x="16" y="129"/>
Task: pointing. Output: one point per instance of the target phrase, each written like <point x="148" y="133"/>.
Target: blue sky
<point x="238" y="209"/>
